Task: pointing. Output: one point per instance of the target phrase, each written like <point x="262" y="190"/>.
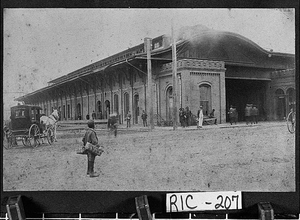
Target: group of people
<point x="185" y="117"/>
<point x="251" y="114"/>
<point x="143" y="116"/>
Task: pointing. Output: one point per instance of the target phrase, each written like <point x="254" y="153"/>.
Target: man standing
<point x="200" y="117"/>
<point x="91" y="137"/>
<point x="93" y="115"/>
<point x="248" y="113"/>
<point x="112" y="123"/>
<point x="231" y="115"/>
<point x="128" y="118"/>
<point x="188" y="116"/>
<point x="144" y="118"/>
<point x="255" y="114"/>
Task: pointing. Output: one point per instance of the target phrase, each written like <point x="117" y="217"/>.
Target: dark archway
<point x="240" y="92"/>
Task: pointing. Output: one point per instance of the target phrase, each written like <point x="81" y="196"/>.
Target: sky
<point x="43" y="44"/>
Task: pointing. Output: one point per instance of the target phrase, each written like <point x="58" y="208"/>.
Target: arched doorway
<point x="169" y="105"/>
<point x="99" y="110"/>
<point x="291" y="98"/>
<point x="126" y="103"/>
<point x="205" y="98"/>
<point x="78" y="110"/>
<point x="107" y="109"/>
<point x="280" y="108"/>
<point x="136" y="108"/>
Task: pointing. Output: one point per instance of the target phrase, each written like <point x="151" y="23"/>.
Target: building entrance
<point x="241" y="92"/>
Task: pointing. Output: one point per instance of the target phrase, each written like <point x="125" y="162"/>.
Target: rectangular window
<point x="20" y="113"/>
<point x="32" y="114"/>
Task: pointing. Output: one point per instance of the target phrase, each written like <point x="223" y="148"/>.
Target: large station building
<point x="214" y="69"/>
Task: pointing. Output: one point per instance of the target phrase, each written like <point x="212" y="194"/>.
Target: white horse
<point x="51" y="120"/>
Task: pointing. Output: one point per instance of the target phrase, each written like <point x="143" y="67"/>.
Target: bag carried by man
<point x="96" y="149"/>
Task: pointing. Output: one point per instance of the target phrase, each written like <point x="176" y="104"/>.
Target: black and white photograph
<point x="197" y="100"/>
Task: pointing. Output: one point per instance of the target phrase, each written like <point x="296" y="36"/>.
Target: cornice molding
<point x="207" y="65"/>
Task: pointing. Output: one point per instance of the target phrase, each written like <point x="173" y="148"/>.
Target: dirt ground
<point x="215" y="158"/>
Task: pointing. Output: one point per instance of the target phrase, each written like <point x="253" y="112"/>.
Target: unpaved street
<point x="218" y="157"/>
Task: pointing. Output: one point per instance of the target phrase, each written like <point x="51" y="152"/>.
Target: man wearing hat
<point x="200" y="117"/>
<point x="91" y="137"/>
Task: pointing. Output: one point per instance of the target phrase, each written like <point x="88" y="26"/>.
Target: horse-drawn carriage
<point x="26" y="126"/>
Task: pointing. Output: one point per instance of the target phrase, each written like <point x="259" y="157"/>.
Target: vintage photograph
<point x="149" y="99"/>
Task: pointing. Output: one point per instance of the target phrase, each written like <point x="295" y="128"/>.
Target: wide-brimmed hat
<point x="91" y="123"/>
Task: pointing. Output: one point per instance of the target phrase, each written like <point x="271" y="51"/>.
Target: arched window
<point x="169" y="104"/>
<point x="116" y="103"/>
<point x="205" y="98"/>
<point x="107" y="109"/>
<point x="126" y="103"/>
<point x="99" y="107"/>
<point x="79" y="117"/>
<point x="291" y="98"/>
<point x="99" y="110"/>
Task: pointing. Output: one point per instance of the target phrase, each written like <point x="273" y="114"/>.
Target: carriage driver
<point x="91" y="137"/>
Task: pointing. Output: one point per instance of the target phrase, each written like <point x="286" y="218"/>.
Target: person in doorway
<point x="255" y="114"/>
<point x="91" y="137"/>
<point x="248" y="113"/>
<point x="93" y="115"/>
<point x="200" y="117"/>
<point x="144" y="118"/>
<point x="231" y="114"/>
<point x="128" y="119"/>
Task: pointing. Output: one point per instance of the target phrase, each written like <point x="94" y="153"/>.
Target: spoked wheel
<point x="291" y="122"/>
<point x="50" y="135"/>
<point x="33" y="136"/>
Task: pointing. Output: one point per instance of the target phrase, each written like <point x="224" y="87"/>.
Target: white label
<point x="200" y="201"/>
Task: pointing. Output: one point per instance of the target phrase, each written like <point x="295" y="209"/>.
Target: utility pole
<point x="147" y="45"/>
<point x="174" y="77"/>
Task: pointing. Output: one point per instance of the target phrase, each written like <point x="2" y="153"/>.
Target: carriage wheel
<point x="291" y="122"/>
<point x="33" y="135"/>
<point x="50" y="135"/>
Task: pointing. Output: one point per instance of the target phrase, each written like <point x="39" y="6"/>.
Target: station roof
<point x="229" y="47"/>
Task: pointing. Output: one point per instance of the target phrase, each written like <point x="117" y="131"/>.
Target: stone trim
<point x="204" y="73"/>
<point x="197" y="64"/>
